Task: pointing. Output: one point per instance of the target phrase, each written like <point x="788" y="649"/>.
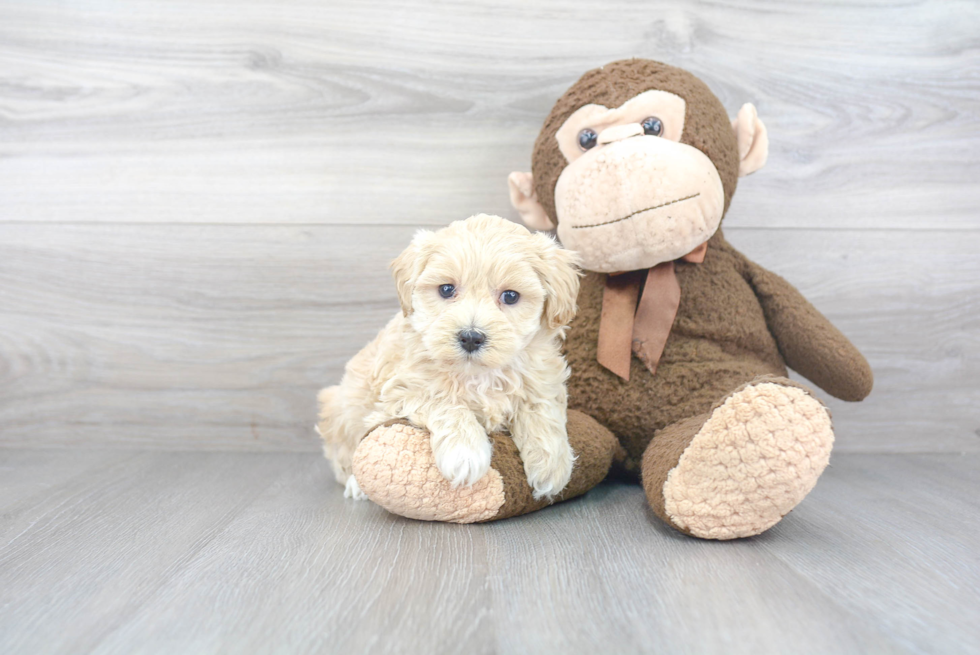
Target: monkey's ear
<point x="753" y="140"/>
<point x="407" y="267"/>
<point x="525" y="201"/>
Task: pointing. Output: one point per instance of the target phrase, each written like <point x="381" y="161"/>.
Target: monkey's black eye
<point x="447" y="291"/>
<point x="510" y="297"/>
<point x="587" y="138"/>
<point x="653" y="126"/>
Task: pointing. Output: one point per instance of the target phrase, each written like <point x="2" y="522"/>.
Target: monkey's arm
<point x="808" y="342"/>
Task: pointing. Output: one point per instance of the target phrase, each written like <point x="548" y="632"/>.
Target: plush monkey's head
<point x="636" y="165"/>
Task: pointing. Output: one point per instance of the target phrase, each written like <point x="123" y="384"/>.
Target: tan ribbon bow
<point x="627" y="327"/>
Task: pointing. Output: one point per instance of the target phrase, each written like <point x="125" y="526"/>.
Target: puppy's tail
<point x="327" y="412"/>
<point x="330" y="427"/>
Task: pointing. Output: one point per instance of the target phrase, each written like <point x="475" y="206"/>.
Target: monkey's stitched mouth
<point x="624" y="218"/>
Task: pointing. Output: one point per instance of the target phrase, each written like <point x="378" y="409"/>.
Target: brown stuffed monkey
<point x="680" y="347"/>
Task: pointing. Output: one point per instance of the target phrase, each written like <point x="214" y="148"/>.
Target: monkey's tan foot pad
<point x="747" y="463"/>
<point x="395" y="467"/>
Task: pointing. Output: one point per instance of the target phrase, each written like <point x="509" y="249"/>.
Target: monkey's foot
<point x="394" y="466"/>
<point x="737" y="470"/>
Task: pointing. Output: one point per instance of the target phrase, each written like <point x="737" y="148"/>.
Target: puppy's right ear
<point x="407" y="267"/>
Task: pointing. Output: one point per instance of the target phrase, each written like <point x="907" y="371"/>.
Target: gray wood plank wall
<point x="198" y="200"/>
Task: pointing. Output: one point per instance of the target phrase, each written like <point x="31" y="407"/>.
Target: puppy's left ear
<point x="407" y="267"/>
<point x="559" y="272"/>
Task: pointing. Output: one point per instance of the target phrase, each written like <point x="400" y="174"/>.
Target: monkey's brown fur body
<point x="724" y="443"/>
<point x="721" y="340"/>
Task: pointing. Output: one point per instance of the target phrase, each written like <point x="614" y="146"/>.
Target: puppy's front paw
<point x="353" y="490"/>
<point x="548" y="470"/>
<point x="462" y="460"/>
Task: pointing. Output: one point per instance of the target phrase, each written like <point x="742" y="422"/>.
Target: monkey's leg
<point x="394" y="466"/>
<point x="738" y="469"/>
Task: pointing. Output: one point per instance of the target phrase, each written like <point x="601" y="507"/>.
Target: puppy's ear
<point x="559" y="272"/>
<point x="407" y="267"/>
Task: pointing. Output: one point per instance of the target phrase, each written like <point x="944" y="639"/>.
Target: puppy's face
<point x="479" y="290"/>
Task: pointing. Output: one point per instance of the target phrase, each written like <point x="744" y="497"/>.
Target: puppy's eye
<point x="510" y="297"/>
<point x="447" y="291"/>
<point x="587" y="138"/>
<point x="653" y="126"/>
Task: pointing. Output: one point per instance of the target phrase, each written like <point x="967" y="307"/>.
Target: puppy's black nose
<point x="471" y="340"/>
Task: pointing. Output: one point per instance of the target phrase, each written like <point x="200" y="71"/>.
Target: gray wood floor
<point x="110" y="551"/>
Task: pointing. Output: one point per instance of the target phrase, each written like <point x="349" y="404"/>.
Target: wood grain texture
<point x="607" y="576"/>
<point x="255" y="553"/>
<point x="95" y="547"/>
<point x="332" y="576"/>
<point x="199" y="200"/>
<point x="219" y="336"/>
<point x="27" y="476"/>
<point x="850" y="549"/>
<point x="162" y="335"/>
<point x="414" y="112"/>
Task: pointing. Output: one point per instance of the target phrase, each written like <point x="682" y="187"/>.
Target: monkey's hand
<point x="809" y="343"/>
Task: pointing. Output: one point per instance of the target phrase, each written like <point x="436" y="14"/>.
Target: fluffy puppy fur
<point x="419" y="369"/>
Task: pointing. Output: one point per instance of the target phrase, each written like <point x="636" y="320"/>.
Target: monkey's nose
<point x="471" y="340"/>
<point x="619" y="132"/>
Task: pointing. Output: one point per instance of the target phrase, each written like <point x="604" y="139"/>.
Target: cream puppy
<point x="475" y="349"/>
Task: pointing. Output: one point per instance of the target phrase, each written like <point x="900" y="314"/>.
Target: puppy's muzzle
<point x="471" y="340"/>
